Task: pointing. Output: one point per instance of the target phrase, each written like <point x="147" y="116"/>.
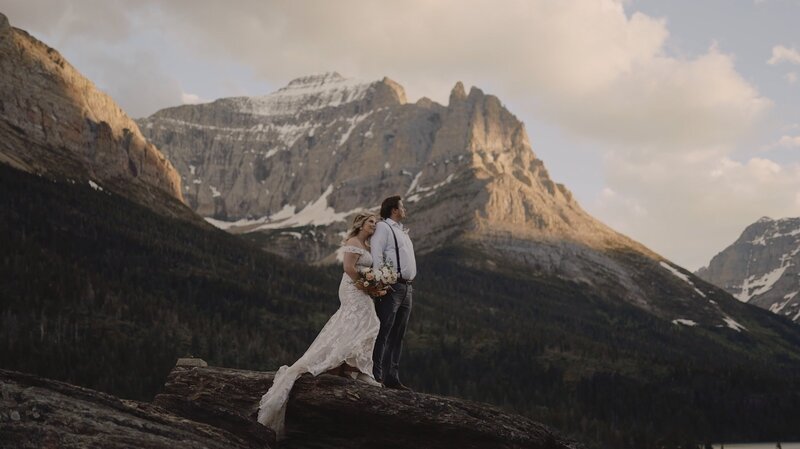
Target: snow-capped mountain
<point x="323" y="147"/>
<point x="290" y="168"/>
<point x="762" y="267"/>
<point x="55" y="122"/>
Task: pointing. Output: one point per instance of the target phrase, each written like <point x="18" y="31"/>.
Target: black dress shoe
<point x="396" y="385"/>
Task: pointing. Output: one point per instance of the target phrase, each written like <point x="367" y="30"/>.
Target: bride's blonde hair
<point x="358" y="223"/>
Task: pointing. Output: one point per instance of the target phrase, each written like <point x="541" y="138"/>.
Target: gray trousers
<point x="393" y="311"/>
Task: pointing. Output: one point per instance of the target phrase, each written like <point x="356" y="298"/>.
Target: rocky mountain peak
<point x="761" y="267"/>
<point x="4" y="25"/>
<point x="396" y="88"/>
<point x="315" y="93"/>
<point x="315" y="81"/>
<point x="458" y="93"/>
<point x="55" y="121"/>
<point x="319" y="149"/>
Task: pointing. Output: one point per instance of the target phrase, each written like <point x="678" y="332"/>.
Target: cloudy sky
<point x="676" y="122"/>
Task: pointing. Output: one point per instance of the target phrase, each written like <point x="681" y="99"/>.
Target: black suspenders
<point x="396" y="252"/>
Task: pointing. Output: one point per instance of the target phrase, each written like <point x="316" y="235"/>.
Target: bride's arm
<point x="349" y="263"/>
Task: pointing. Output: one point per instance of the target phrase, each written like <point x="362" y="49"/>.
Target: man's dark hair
<point x="393" y="202"/>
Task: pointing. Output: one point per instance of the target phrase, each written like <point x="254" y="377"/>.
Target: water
<point x="759" y="446"/>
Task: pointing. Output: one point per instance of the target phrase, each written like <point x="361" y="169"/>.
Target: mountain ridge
<point x="55" y="122"/>
<point x="422" y="152"/>
<point x="467" y="171"/>
<point x="761" y="266"/>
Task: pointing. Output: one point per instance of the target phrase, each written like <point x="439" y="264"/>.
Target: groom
<point x="391" y="243"/>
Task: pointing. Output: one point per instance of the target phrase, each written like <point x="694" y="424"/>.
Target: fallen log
<point x="335" y="412"/>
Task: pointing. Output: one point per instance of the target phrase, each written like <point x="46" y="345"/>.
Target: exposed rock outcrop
<point x="41" y="413"/>
<point x="762" y="266"/>
<point x="54" y="121"/>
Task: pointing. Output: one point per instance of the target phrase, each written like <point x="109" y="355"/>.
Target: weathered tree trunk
<point x="334" y="412"/>
<point x="216" y="408"/>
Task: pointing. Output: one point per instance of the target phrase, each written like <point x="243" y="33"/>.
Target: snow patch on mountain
<point x="682" y="277"/>
<point x="763" y="239"/>
<point x="414" y="182"/>
<point x="306" y="94"/>
<point x="318" y="213"/>
<point x="731" y="323"/>
<point x="353" y="123"/>
<point x="419" y="192"/>
<point x="778" y="306"/>
<point x="753" y="286"/>
<point x="286" y="133"/>
<point x="684" y="322"/>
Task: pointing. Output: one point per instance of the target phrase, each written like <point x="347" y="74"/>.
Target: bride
<point x="345" y="343"/>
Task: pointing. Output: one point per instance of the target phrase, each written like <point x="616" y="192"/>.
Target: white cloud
<point x="784" y="54"/>
<point x="669" y="103"/>
<point x="695" y="208"/>
<point x="789" y="141"/>
<point x="95" y="37"/>
<point x="138" y="83"/>
<point x="61" y="21"/>
<point x="791" y="77"/>
<point x="786" y="141"/>
<point x="591" y="67"/>
<point x="613" y="204"/>
<point x="187" y="98"/>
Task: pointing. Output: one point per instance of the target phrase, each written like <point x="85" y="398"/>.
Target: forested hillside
<point x="104" y="293"/>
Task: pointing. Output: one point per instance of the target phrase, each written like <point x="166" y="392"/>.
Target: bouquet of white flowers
<point x="387" y="274"/>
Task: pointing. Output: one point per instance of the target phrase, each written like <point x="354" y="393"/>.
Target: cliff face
<point x="55" y="122"/>
<point x="761" y="266"/>
<point x="289" y="169"/>
<point x="299" y="162"/>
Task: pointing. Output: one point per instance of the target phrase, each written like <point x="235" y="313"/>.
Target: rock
<point x="761" y="267"/>
<point x="47" y="413"/>
<point x="329" y="411"/>
<point x="56" y="122"/>
<point x="300" y="161"/>
<point x="458" y="93"/>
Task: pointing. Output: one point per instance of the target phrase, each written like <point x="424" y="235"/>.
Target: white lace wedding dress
<point x="348" y="337"/>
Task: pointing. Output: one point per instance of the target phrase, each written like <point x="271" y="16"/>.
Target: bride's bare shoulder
<point x="353" y="241"/>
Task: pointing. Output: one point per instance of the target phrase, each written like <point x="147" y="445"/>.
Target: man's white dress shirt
<point x="382" y="248"/>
